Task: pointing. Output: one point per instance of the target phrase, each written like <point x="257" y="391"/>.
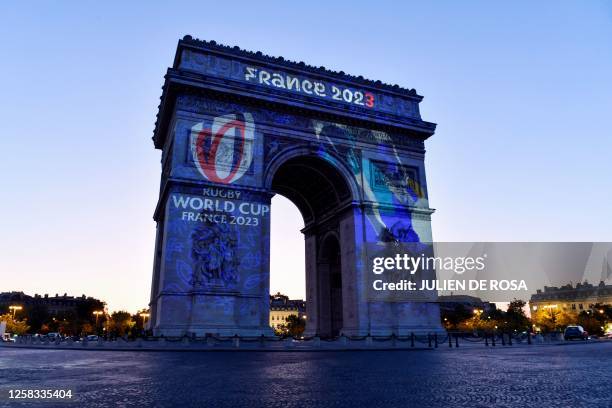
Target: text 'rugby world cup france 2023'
<point x="237" y="127"/>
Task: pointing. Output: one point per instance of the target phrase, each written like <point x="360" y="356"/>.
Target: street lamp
<point x="144" y="316"/>
<point x="97" y="313"/>
<point x="14" y="309"/>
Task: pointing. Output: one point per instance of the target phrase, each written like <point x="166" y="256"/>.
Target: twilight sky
<point x="522" y="96"/>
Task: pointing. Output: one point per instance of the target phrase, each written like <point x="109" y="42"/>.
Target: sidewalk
<point x="284" y="345"/>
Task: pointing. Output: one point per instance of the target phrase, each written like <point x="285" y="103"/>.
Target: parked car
<point x="53" y="336"/>
<point x="608" y="335"/>
<point x="575" y="332"/>
<point x="8" y="338"/>
<point x="92" y="337"/>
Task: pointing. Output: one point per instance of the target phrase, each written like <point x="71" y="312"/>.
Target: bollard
<point x="493" y="340"/>
<point x="510" y="338"/>
<point x="503" y="340"/>
<point x="262" y="340"/>
<point x="429" y="339"/>
<point x="486" y="340"/>
<point x="529" y="337"/>
<point x="450" y="340"/>
<point x="411" y="339"/>
<point x="456" y="340"/>
<point x="236" y="341"/>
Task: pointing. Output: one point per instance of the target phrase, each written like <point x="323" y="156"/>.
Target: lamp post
<point x="14" y="309"/>
<point x="97" y="313"/>
<point x="144" y="316"/>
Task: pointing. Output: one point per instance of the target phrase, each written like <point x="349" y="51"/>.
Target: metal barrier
<point x="431" y="340"/>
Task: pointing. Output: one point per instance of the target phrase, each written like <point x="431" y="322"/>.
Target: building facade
<point x="281" y="307"/>
<point x="55" y="305"/>
<point x="578" y="298"/>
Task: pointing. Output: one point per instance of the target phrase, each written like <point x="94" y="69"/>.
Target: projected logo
<point x="224" y="152"/>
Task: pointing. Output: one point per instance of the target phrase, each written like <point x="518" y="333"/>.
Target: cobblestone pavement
<point x="573" y="375"/>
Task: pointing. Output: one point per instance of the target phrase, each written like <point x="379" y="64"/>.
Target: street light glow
<point x="14" y="309"/>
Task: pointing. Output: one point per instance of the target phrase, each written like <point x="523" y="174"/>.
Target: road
<point x="544" y="376"/>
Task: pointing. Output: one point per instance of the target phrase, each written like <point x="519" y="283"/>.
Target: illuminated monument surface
<point x="237" y="127"/>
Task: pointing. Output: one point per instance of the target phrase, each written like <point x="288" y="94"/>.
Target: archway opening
<point x="320" y="193"/>
<point x="286" y="249"/>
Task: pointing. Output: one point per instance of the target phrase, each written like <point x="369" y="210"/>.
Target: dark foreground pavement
<point x="573" y="375"/>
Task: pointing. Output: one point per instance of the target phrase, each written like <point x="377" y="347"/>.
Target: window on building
<point x="580" y="306"/>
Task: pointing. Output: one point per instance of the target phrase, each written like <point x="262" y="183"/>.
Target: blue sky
<point x="522" y="95"/>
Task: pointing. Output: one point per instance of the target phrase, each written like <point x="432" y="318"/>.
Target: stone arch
<point x="324" y="196"/>
<point x="304" y="151"/>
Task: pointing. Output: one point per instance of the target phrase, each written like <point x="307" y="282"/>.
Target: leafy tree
<point x="86" y="329"/>
<point x="515" y="318"/>
<point x="37" y="316"/>
<point x="120" y="323"/>
<point x="138" y="329"/>
<point x="590" y="323"/>
<point x="481" y="322"/>
<point x="66" y="323"/>
<point x="453" y="318"/>
<point x="551" y="319"/>
<point x="85" y="309"/>
<point x="295" y="325"/>
<point x="14" y="326"/>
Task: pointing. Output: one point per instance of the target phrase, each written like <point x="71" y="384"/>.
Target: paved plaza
<point x="574" y="375"/>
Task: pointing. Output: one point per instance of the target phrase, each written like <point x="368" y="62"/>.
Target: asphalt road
<point x="573" y="375"/>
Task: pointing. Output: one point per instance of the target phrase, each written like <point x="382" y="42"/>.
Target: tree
<point x="296" y="325"/>
<point x="515" y="316"/>
<point x="86" y="329"/>
<point x="37" y="316"/>
<point x="120" y="323"/>
<point x="13" y="326"/>
<point x="66" y="323"/>
<point x="453" y="318"/>
<point x="552" y="319"/>
<point x="85" y="309"/>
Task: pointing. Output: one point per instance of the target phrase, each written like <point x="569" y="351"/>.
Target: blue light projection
<point x="225" y="137"/>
